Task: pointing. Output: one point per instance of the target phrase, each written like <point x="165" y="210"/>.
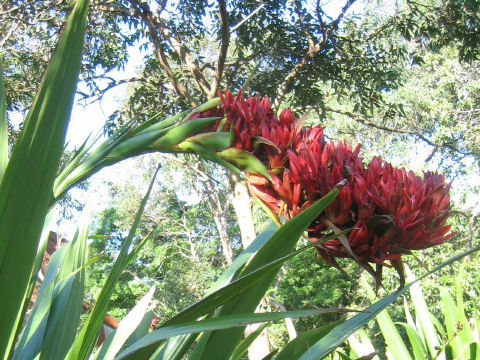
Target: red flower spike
<point x="393" y="211"/>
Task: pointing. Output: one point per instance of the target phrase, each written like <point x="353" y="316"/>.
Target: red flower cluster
<point x="391" y="210"/>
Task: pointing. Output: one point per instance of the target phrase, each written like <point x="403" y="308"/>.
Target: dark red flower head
<point x="392" y="211"/>
<point x="395" y="212"/>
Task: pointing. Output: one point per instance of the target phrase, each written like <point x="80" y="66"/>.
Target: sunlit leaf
<point x="3" y="127"/>
<point x="85" y="341"/>
<point x="222" y="343"/>
<point x="26" y="186"/>
<point x="224" y="322"/>
<point x="338" y="335"/>
<point x="112" y="345"/>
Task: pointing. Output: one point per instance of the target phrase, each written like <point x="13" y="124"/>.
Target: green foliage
<point x="48" y="334"/>
<point x="3" y="127"/>
<point x="339" y="334"/>
<point x="454" y="336"/>
<point x="306" y="282"/>
<point x="27" y="182"/>
<point x="356" y="62"/>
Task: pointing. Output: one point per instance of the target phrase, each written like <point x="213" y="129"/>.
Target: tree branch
<point x="184" y="55"/>
<point x="8" y="34"/>
<point x="222" y="9"/>
<point x="313" y="49"/>
<point x="364" y="120"/>
<point x="145" y="13"/>
<point x="114" y="8"/>
<point x="301" y="18"/>
<point x="98" y="95"/>
<point x="340" y="17"/>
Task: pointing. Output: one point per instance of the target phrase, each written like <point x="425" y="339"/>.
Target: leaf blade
<point x="3" y="127"/>
<point x="222" y="343"/>
<point x="238" y="320"/>
<point x="85" y="341"/>
<point x="341" y="332"/>
<point x="28" y="179"/>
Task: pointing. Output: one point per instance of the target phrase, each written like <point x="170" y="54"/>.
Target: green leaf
<point x="85" y="341"/>
<point x="59" y="298"/>
<point x="339" y="334"/>
<point x="241" y="259"/>
<point x="126" y="142"/>
<point x="84" y="164"/>
<point x="421" y="311"/>
<point x="471" y="351"/>
<point x="176" y="347"/>
<point x="451" y="319"/>
<point x="416" y="340"/>
<point x="115" y="341"/>
<point x="3" y="127"/>
<point x="245" y="161"/>
<point x="360" y="345"/>
<point x="26" y="185"/>
<point x="271" y="355"/>
<point x="64" y="317"/>
<point x="223" y="295"/>
<point x="142" y="329"/>
<point x="210" y="104"/>
<point x="152" y="124"/>
<point x="225" y="322"/>
<point x="173" y="349"/>
<point x="389" y="332"/>
<point x="243" y="346"/>
<point x="392" y="338"/>
<point x="248" y="279"/>
<point x="42" y="246"/>
<point x="32" y="337"/>
<point x="419" y="351"/>
<point x="216" y="298"/>
<point x="304" y="341"/>
<point x="207" y="154"/>
<point x="458" y="328"/>
<point x="343" y="331"/>
<point x="180" y="132"/>
<point x="222" y="343"/>
<point x="216" y="141"/>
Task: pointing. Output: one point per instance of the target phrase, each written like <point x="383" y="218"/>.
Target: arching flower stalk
<point x="392" y="211"/>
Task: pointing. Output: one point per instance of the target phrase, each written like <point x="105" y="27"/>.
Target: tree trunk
<point x="242" y="205"/>
<point x="220" y="223"/>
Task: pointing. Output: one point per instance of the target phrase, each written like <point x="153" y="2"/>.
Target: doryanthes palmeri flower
<point x="395" y="212"/>
<point x="390" y="210"/>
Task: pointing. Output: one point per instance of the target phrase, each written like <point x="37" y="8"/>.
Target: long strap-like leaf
<point x="116" y="340"/>
<point x="224" y="322"/>
<point x="3" y="127"/>
<point x="221" y="344"/>
<point x="338" y="335"/>
<point x="83" y="345"/>
<point x="26" y="187"/>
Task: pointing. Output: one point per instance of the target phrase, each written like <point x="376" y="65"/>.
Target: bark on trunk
<point x="242" y="205"/>
<point x="220" y="223"/>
